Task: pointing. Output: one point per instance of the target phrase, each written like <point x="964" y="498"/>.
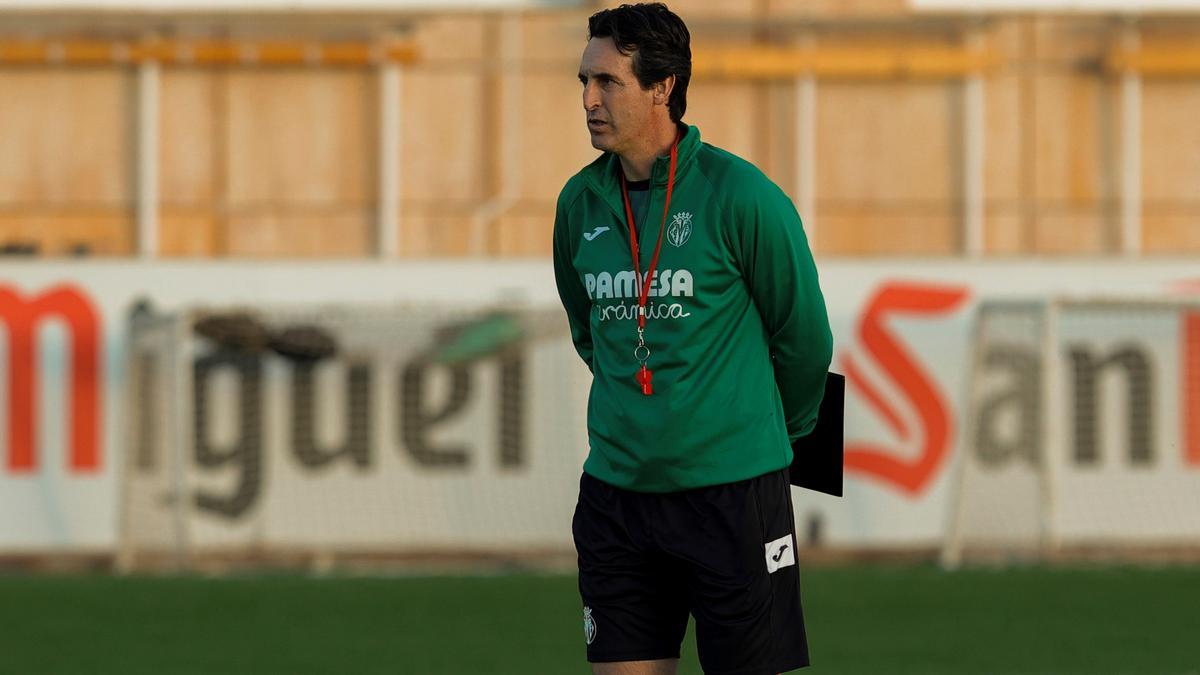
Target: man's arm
<point x="779" y="271"/>
<point x="570" y="290"/>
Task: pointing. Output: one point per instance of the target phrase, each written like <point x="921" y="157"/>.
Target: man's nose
<point x="591" y="97"/>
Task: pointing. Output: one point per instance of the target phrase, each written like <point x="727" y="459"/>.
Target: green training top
<point x="736" y="322"/>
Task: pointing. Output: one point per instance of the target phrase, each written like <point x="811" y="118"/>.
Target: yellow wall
<point x="281" y="161"/>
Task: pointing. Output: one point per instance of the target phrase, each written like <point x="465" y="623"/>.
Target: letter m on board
<point x="20" y="318"/>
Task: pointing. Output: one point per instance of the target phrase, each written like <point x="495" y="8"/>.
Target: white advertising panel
<point x="903" y="336"/>
<point x="1083" y="426"/>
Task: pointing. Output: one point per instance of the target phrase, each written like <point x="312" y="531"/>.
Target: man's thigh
<point x="635" y="605"/>
<point x="742" y="581"/>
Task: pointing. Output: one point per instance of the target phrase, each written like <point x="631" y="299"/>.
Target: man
<point x="692" y="296"/>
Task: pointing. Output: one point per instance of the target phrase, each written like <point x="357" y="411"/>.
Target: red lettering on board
<point x="21" y="317"/>
<point x="1190" y="415"/>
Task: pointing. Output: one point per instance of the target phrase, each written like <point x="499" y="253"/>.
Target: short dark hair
<point x="659" y="42"/>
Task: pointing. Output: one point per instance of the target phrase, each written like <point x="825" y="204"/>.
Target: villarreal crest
<point x="589" y="625"/>
<point x="680" y="229"/>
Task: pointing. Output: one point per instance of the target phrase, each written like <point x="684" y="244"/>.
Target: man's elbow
<point x="824" y="347"/>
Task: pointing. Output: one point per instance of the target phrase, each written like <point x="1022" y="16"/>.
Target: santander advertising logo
<point x="931" y="432"/>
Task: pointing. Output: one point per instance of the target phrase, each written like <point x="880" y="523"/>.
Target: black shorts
<point x="725" y="553"/>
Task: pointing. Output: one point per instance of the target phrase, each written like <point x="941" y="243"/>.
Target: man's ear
<point x="662" y="90"/>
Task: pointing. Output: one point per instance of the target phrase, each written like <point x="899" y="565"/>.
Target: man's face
<point x="618" y="109"/>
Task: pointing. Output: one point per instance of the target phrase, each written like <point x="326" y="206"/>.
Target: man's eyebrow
<point x="583" y="77"/>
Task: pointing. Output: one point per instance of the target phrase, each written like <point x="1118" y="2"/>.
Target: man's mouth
<point x="597" y="125"/>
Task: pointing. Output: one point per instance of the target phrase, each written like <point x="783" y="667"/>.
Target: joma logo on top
<point x="21" y="317"/>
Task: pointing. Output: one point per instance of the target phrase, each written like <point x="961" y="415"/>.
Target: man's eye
<point x="604" y="82"/>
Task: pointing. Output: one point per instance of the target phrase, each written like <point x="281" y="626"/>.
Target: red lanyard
<point x="642" y="352"/>
<point x="633" y="237"/>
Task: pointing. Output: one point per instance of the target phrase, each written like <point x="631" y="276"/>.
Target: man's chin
<point x="601" y="143"/>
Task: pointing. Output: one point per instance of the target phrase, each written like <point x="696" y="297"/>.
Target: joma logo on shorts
<point x="780" y="553"/>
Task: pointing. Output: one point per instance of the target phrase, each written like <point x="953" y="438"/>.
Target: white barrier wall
<point x="901" y="328"/>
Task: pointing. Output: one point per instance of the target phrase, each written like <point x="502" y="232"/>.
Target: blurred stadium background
<point x="285" y="388"/>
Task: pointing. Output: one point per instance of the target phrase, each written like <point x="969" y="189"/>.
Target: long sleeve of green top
<point x="779" y="270"/>
<point x="570" y="291"/>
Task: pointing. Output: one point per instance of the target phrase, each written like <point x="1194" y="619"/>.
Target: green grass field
<point x="862" y="620"/>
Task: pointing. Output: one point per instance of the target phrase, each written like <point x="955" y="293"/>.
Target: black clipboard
<point x="817" y="457"/>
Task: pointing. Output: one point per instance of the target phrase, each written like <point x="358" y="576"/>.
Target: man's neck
<point x="637" y="163"/>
